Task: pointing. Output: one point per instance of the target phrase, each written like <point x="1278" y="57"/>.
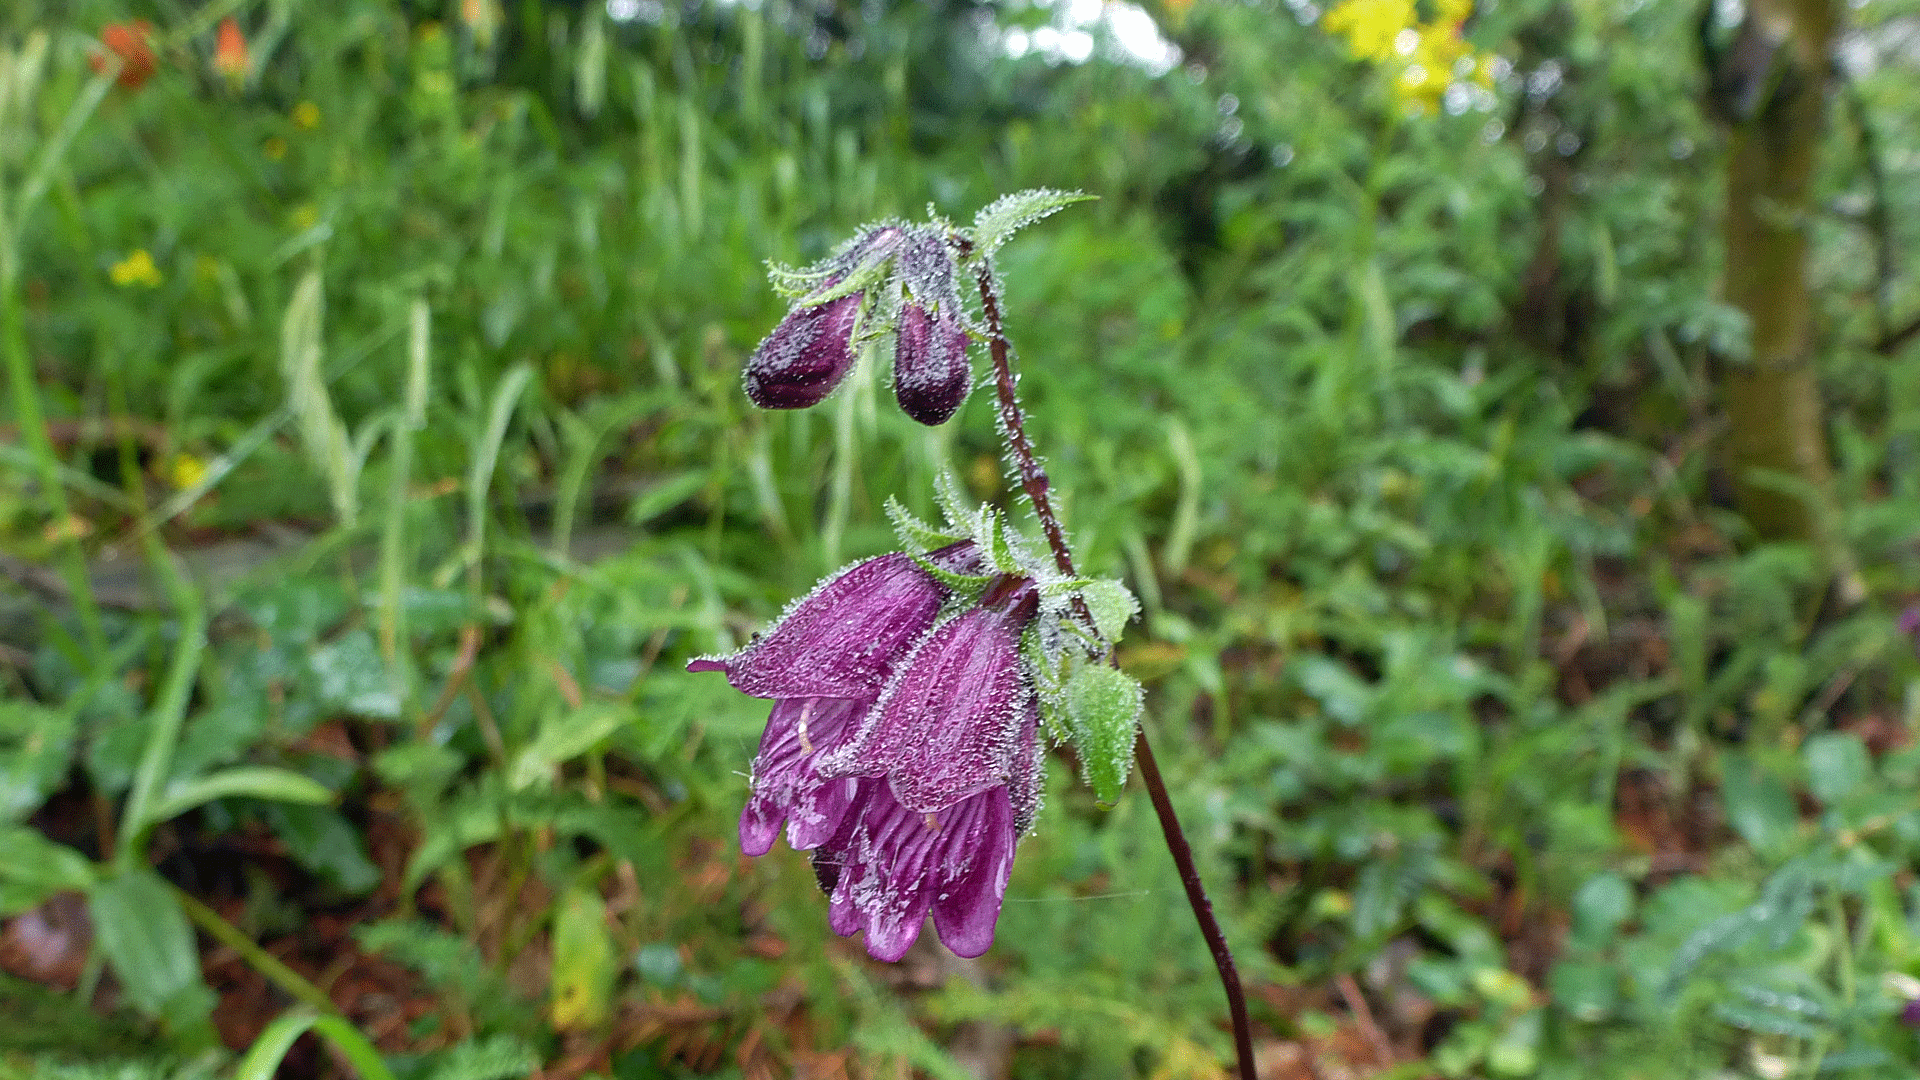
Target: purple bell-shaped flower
<point x="950" y="771"/>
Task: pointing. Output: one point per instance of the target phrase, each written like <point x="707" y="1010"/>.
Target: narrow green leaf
<point x="916" y="535"/>
<point x="966" y="586"/>
<point x="246" y="781"/>
<point x="1102" y="707"/>
<point x="996" y="222"/>
<point x="264" y="1056"/>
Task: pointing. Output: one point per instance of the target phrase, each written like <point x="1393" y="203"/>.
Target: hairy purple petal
<point x="892" y="866"/>
<point x="950" y="723"/>
<point x="1029" y="770"/>
<point x="931" y="373"/>
<point x="842" y="639"/>
<point x="805" y="357"/>
<point x="785" y="785"/>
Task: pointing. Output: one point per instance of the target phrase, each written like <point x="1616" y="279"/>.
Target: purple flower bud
<point x="1910" y="1013"/>
<point x="805" y="357"/>
<point x="931" y="374"/>
<point x="1910" y="624"/>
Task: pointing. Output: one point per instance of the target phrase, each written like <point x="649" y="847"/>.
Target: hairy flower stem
<point x="1033" y="479"/>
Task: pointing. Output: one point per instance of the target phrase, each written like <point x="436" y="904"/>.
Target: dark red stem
<point x="1033" y="479"/>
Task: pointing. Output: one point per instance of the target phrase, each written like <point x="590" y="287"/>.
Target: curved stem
<point x="1033" y="480"/>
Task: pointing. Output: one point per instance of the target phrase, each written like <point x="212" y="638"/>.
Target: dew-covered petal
<point x="972" y="880"/>
<point x="894" y="865"/>
<point x="842" y="639"/>
<point x="1029" y="771"/>
<point x="931" y="373"/>
<point x="786" y="786"/>
<point x="805" y="357"/>
<point x="949" y="724"/>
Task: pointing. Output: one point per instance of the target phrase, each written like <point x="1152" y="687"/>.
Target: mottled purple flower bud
<point x="1910" y="624"/>
<point x="931" y="373"/>
<point x="1910" y="1013"/>
<point x="805" y="357"/>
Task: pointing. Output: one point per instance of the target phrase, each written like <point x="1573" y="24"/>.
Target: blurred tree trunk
<point x="1771" y="88"/>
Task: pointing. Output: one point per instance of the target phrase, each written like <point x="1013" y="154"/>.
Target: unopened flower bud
<point x="931" y="374"/>
<point x="805" y="357"/>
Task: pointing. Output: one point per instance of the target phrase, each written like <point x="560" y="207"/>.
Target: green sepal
<point x="914" y="534"/>
<point x="1049" y="675"/>
<point x="967" y="587"/>
<point x="1112" y="606"/>
<point x="946" y="492"/>
<point x="999" y="549"/>
<point x="996" y="222"/>
<point x="1102" y="706"/>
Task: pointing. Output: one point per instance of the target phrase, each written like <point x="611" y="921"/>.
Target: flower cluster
<point x="1424" y="58"/>
<point x="892" y="277"/>
<point x="910" y="690"/>
<point x="902" y="746"/>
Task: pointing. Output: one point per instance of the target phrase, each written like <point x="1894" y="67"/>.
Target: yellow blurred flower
<point x="1371" y="27"/>
<point x="275" y="148"/>
<point x="185" y="471"/>
<point x="1422" y="58"/>
<point x="305" y="216"/>
<point x="306" y="116"/>
<point x="136" y="269"/>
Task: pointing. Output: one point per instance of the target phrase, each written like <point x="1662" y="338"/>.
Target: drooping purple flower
<point x="806" y="356"/>
<point x="825" y="663"/>
<point x="931" y="373"/>
<point x="949" y="768"/>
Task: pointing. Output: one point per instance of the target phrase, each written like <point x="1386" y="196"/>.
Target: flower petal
<point x="973" y="882"/>
<point x="785" y="784"/>
<point x="894" y="865"/>
<point x="842" y="639"/>
<point x="949" y="724"/>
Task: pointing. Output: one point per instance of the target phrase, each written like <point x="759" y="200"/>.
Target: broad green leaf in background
<point x="583" y="961"/>
<point x="1759" y="807"/>
<point x="144" y="935"/>
<point x="1837" y="764"/>
<point x="33" y="868"/>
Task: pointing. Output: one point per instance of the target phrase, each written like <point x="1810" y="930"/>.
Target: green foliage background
<point x="1469" y="685"/>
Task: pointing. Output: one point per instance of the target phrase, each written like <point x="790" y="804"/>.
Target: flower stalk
<point x="1033" y="480"/>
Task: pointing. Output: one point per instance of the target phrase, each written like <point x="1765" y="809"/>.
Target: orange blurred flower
<point x="132" y="42"/>
<point x="230" y="51"/>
